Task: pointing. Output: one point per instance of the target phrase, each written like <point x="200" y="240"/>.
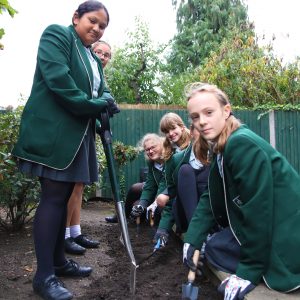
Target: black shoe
<point x="73" y="248"/>
<point x="72" y="269"/>
<point x="111" y="219"/>
<point x="51" y="289"/>
<point x="85" y="242"/>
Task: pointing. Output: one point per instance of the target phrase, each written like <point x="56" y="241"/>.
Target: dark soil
<point x="160" y="277"/>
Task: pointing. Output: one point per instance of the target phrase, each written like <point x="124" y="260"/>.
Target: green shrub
<point x="123" y="154"/>
<point x="252" y="75"/>
<point x="90" y="190"/>
<point x="132" y="73"/>
<point x="19" y="194"/>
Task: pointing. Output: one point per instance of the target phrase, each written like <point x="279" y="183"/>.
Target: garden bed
<point x="160" y="277"/>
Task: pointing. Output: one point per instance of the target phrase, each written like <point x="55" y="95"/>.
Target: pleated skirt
<point x="84" y="167"/>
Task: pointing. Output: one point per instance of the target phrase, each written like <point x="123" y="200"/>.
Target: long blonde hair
<point x="231" y="123"/>
<point x="168" y="122"/>
<point x="204" y="160"/>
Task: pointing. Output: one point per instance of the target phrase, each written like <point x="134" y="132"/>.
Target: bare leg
<point x="73" y="221"/>
<point x="74" y="205"/>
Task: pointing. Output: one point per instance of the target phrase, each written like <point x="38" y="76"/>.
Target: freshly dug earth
<point x="160" y="277"/>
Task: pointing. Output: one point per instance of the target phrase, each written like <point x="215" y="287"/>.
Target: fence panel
<point x="287" y="128"/>
<point x="131" y="124"/>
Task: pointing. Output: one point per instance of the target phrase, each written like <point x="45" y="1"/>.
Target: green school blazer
<point x="260" y="200"/>
<point x="172" y="167"/>
<point x="60" y="107"/>
<point x="154" y="185"/>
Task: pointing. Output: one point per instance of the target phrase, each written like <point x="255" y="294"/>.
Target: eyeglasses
<point x="101" y="53"/>
<point x="152" y="148"/>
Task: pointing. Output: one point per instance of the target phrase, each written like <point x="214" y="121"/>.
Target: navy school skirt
<point x="83" y="168"/>
<point x="223" y="251"/>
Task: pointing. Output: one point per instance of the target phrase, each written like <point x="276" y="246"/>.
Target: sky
<point x="22" y="33"/>
<point x="279" y="18"/>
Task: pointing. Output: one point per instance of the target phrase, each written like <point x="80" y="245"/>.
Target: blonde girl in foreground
<point x="253" y="191"/>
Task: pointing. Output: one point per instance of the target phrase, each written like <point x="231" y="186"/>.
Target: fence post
<point x="272" y="128"/>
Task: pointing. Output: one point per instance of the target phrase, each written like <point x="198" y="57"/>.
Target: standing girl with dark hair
<point x="57" y="135"/>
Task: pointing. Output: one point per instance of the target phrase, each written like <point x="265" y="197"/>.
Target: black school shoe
<point x="72" y="269"/>
<point x="85" y="242"/>
<point x="73" y="248"/>
<point x="51" y="288"/>
<point x="111" y="219"/>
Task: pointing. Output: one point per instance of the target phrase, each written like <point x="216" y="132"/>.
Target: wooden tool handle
<point x="138" y="220"/>
<point x="151" y="219"/>
<point x="192" y="274"/>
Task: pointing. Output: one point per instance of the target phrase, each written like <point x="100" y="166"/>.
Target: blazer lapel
<point x="81" y="49"/>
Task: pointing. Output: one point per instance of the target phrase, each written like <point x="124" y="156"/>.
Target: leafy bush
<point x="123" y="154"/>
<point x="19" y="194"/>
<point x="132" y="73"/>
<point x="173" y="87"/>
<point x="251" y="75"/>
<point x="5" y="6"/>
<point x="90" y="190"/>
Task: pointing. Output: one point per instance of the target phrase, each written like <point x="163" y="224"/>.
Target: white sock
<point x="75" y="231"/>
<point x="67" y="233"/>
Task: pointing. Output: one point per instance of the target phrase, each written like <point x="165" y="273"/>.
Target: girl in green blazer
<point x="177" y="139"/>
<point x="253" y="190"/>
<point x="186" y="179"/>
<point x="57" y="135"/>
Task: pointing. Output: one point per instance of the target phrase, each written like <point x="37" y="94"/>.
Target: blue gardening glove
<point x="138" y="210"/>
<point x="163" y="236"/>
<point x="112" y="107"/>
<point x="235" y="288"/>
<point x="188" y="253"/>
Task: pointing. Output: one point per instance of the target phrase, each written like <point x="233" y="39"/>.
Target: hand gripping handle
<point x="192" y="274"/>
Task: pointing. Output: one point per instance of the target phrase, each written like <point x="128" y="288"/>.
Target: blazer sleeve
<point x="171" y="184"/>
<point x="167" y="219"/>
<point x="150" y="187"/>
